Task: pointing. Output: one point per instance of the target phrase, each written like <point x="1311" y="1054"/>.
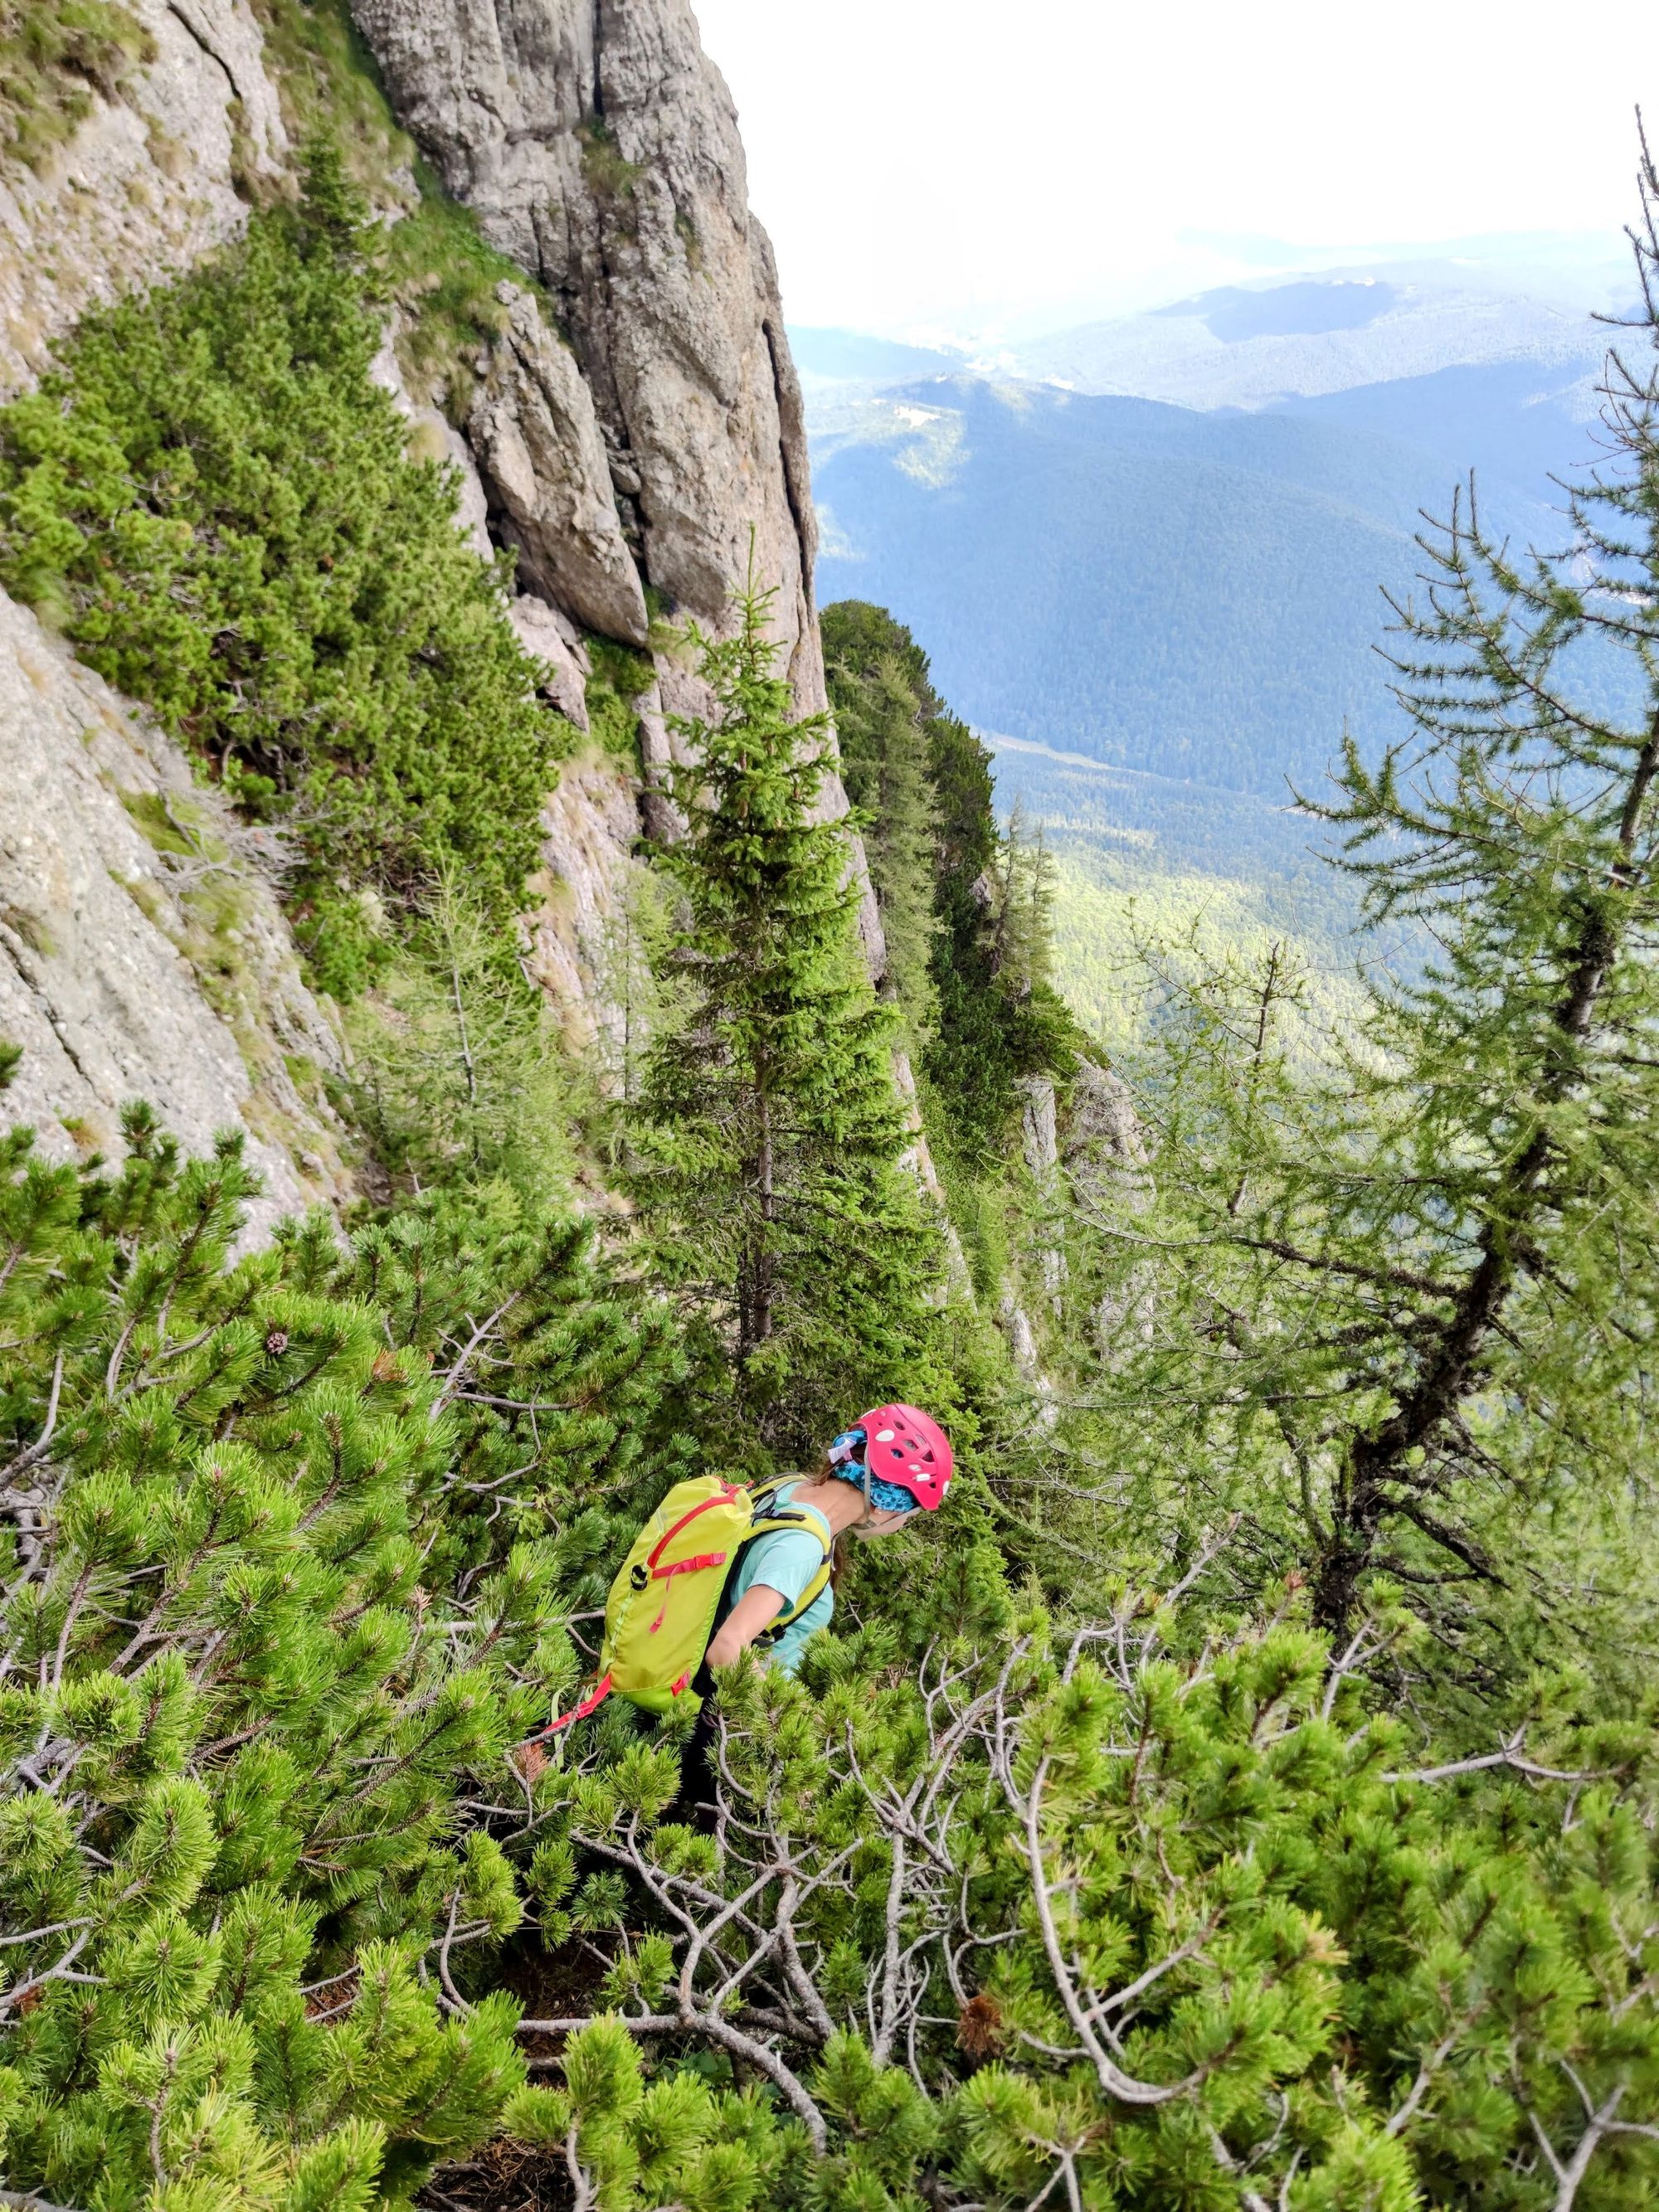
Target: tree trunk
<point x="1381" y="1462"/>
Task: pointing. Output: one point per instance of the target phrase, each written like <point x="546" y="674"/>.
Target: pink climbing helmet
<point x="902" y="1445"/>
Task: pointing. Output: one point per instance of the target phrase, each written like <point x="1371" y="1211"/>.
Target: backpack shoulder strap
<point x="769" y="1515"/>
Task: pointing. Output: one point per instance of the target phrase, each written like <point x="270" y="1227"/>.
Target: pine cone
<point x="275" y="1341"/>
<point x="531" y="1760"/>
<point x="979" y="2028"/>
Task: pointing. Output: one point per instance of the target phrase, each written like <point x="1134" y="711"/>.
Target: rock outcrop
<point x="1109" y="1166"/>
<point x="634" y="428"/>
<point x="537" y="441"/>
<point x="584" y="947"/>
<point x="598" y="147"/>
<point x="147" y="184"/>
<point x="138" y="958"/>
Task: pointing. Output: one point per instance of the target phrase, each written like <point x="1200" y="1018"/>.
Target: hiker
<point x="718" y="1568"/>
<point x="872" y="1479"/>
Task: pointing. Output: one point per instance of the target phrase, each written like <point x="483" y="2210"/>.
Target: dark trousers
<point x="700" y="1765"/>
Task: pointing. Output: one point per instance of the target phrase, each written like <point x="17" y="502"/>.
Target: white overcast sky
<point x="981" y="167"/>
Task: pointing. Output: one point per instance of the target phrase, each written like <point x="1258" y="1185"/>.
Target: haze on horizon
<point x="920" y="171"/>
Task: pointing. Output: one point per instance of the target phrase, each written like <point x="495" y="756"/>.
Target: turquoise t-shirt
<point x="786" y="1560"/>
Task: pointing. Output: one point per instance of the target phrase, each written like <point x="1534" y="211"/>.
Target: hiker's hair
<point x="840" y="1549"/>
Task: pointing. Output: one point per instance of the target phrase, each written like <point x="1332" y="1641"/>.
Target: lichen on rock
<point x="123" y="976"/>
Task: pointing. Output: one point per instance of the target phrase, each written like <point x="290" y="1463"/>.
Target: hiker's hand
<point x="758" y="1609"/>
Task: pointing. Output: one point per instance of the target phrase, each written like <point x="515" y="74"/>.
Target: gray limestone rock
<point x="123" y="977"/>
<point x="146" y="185"/>
<point x="1038" y="1123"/>
<point x="1108" y="1163"/>
<point x="541" y="633"/>
<point x="579" y="949"/>
<point x="598" y="147"/>
<point x="433" y="438"/>
<point x="537" y="438"/>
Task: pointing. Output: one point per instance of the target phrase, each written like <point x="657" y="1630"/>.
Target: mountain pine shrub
<point x="1161" y="1907"/>
<point x="280" y="1538"/>
<point x="215" y="501"/>
<point x="1160" y="1910"/>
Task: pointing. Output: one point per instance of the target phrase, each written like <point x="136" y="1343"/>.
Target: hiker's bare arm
<point x="758" y="1609"/>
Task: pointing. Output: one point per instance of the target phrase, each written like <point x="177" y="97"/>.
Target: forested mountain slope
<point x="1241" y="1790"/>
<point x="1194" y="595"/>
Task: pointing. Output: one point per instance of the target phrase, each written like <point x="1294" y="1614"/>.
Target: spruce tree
<point x="880" y="726"/>
<point x="767" y="1139"/>
<point x="991" y="1009"/>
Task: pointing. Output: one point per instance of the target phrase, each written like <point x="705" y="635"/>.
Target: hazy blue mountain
<point x="1191" y="595"/>
<point x="1304" y="308"/>
<point x="1164" y="616"/>
<point x="1518" y="422"/>
<point x="1250" y="346"/>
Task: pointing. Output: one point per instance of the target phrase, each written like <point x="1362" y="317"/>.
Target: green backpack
<point x="661" y="1610"/>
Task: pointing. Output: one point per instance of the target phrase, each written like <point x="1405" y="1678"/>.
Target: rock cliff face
<point x="137" y="958"/>
<point x="148" y="182"/>
<point x="635" y="426"/>
<point x="636" y="448"/>
<point x="141" y="955"/>
<point x="598" y="147"/>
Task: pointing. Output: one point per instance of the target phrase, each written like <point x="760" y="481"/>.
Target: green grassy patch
<point x="55" y="57"/>
<point x="168" y="826"/>
<point x="435" y="264"/>
<point x="331" y="87"/>
<point x="608" y="174"/>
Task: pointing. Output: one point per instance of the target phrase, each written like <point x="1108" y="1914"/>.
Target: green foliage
<point x="1118" y="913"/>
<point x="619" y="678"/>
<point x="767" y="1136"/>
<point x="329" y="87"/>
<point x="436" y="265"/>
<point x="675" y="2140"/>
<point x="54" y="56"/>
<point x="444" y="275"/>
<point x="281" y="1540"/>
<point x="993" y="1015"/>
<point x="882" y="738"/>
<point x="207" y="497"/>
<point x="609" y="175"/>
<point x="457" y="1073"/>
<point x="1428" y="1254"/>
<point x="1287" y="1839"/>
<point x="1154" y="1911"/>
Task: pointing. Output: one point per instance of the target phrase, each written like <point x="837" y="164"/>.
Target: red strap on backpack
<point x="689" y="1566"/>
<point x="595" y="1698"/>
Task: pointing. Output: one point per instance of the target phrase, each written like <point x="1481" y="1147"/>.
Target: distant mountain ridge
<point x="1195" y="595"/>
<point x="1166" y="599"/>
<point x="1235" y="347"/>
